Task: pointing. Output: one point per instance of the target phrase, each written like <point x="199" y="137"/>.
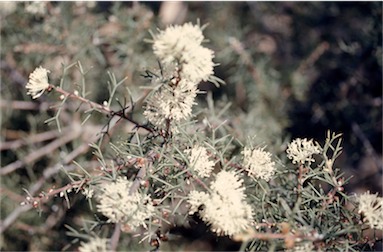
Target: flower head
<point x="170" y="44"/>
<point x="225" y="208"/>
<point x="197" y="63"/>
<point x="120" y="207"/>
<point x="182" y="45"/>
<point x="95" y="244"/>
<point x="372" y="208"/>
<point x="302" y="247"/>
<point x="301" y="150"/>
<point x="196" y="199"/>
<point x="174" y="103"/>
<point x="38" y="82"/>
<point x="199" y="160"/>
<point x="258" y="163"/>
<point x="38" y="8"/>
<point x="88" y="192"/>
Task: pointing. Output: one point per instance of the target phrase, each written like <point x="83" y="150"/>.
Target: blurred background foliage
<point x="292" y="69"/>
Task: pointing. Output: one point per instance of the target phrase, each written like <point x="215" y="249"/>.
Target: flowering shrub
<point x="167" y="172"/>
<point x="159" y="163"/>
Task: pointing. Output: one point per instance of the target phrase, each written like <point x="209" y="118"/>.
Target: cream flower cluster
<point x="95" y="244"/>
<point x="38" y="8"/>
<point x="199" y="160"/>
<point x="224" y="208"/>
<point x="257" y="163"/>
<point x="372" y="208"/>
<point x="179" y="46"/>
<point x="38" y="82"/>
<point x="302" y="247"/>
<point x="182" y="44"/>
<point x="171" y="103"/>
<point x="120" y="207"/>
<point x="302" y="150"/>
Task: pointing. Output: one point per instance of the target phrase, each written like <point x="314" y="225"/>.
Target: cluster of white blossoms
<point x="38" y="8"/>
<point x="372" y="208"/>
<point x="302" y="150"/>
<point x="95" y="244"/>
<point x="38" y="82"/>
<point x="182" y="44"/>
<point x="225" y="207"/>
<point x="302" y="247"/>
<point x="257" y="163"/>
<point x="120" y="207"/>
<point x="171" y="103"/>
<point x="179" y="46"/>
<point x="199" y="161"/>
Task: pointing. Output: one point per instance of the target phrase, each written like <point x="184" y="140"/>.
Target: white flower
<point x="197" y="64"/>
<point x="38" y="82"/>
<point x="173" y="103"/>
<point x="196" y="199"/>
<point x="95" y="244"/>
<point x="182" y="45"/>
<point x="88" y="192"/>
<point x="229" y="185"/>
<point x="372" y="208"/>
<point x="225" y="208"/>
<point x="301" y="150"/>
<point x="120" y="207"/>
<point x="199" y="160"/>
<point x="302" y="247"/>
<point x="36" y="8"/>
<point x="170" y="44"/>
<point x="258" y="163"/>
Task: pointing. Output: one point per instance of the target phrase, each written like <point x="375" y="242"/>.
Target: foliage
<point x="132" y="149"/>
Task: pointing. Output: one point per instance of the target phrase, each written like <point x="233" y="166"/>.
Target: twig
<point x="136" y="183"/>
<point x="115" y="237"/>
<point x="123" y="113"/>
<point x="31" y="139"/>
<point x="273" y="236"/>
<point x="4" y="225"/>
<point x="99" y="107"/>
<point x="44" y="151"/>
<point x="23" y="105"/>
<point x="300" y="178"/>
<point x="313" y="57"/>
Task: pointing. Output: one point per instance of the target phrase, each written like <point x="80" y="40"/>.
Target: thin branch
<point x="300" y="178"/>
<point x="115" y="237"/>
<point x="23" y="105"/>
<point x="44" y="151"/>
<point x="94" y="105"/>
<point x="36" y="138"/>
